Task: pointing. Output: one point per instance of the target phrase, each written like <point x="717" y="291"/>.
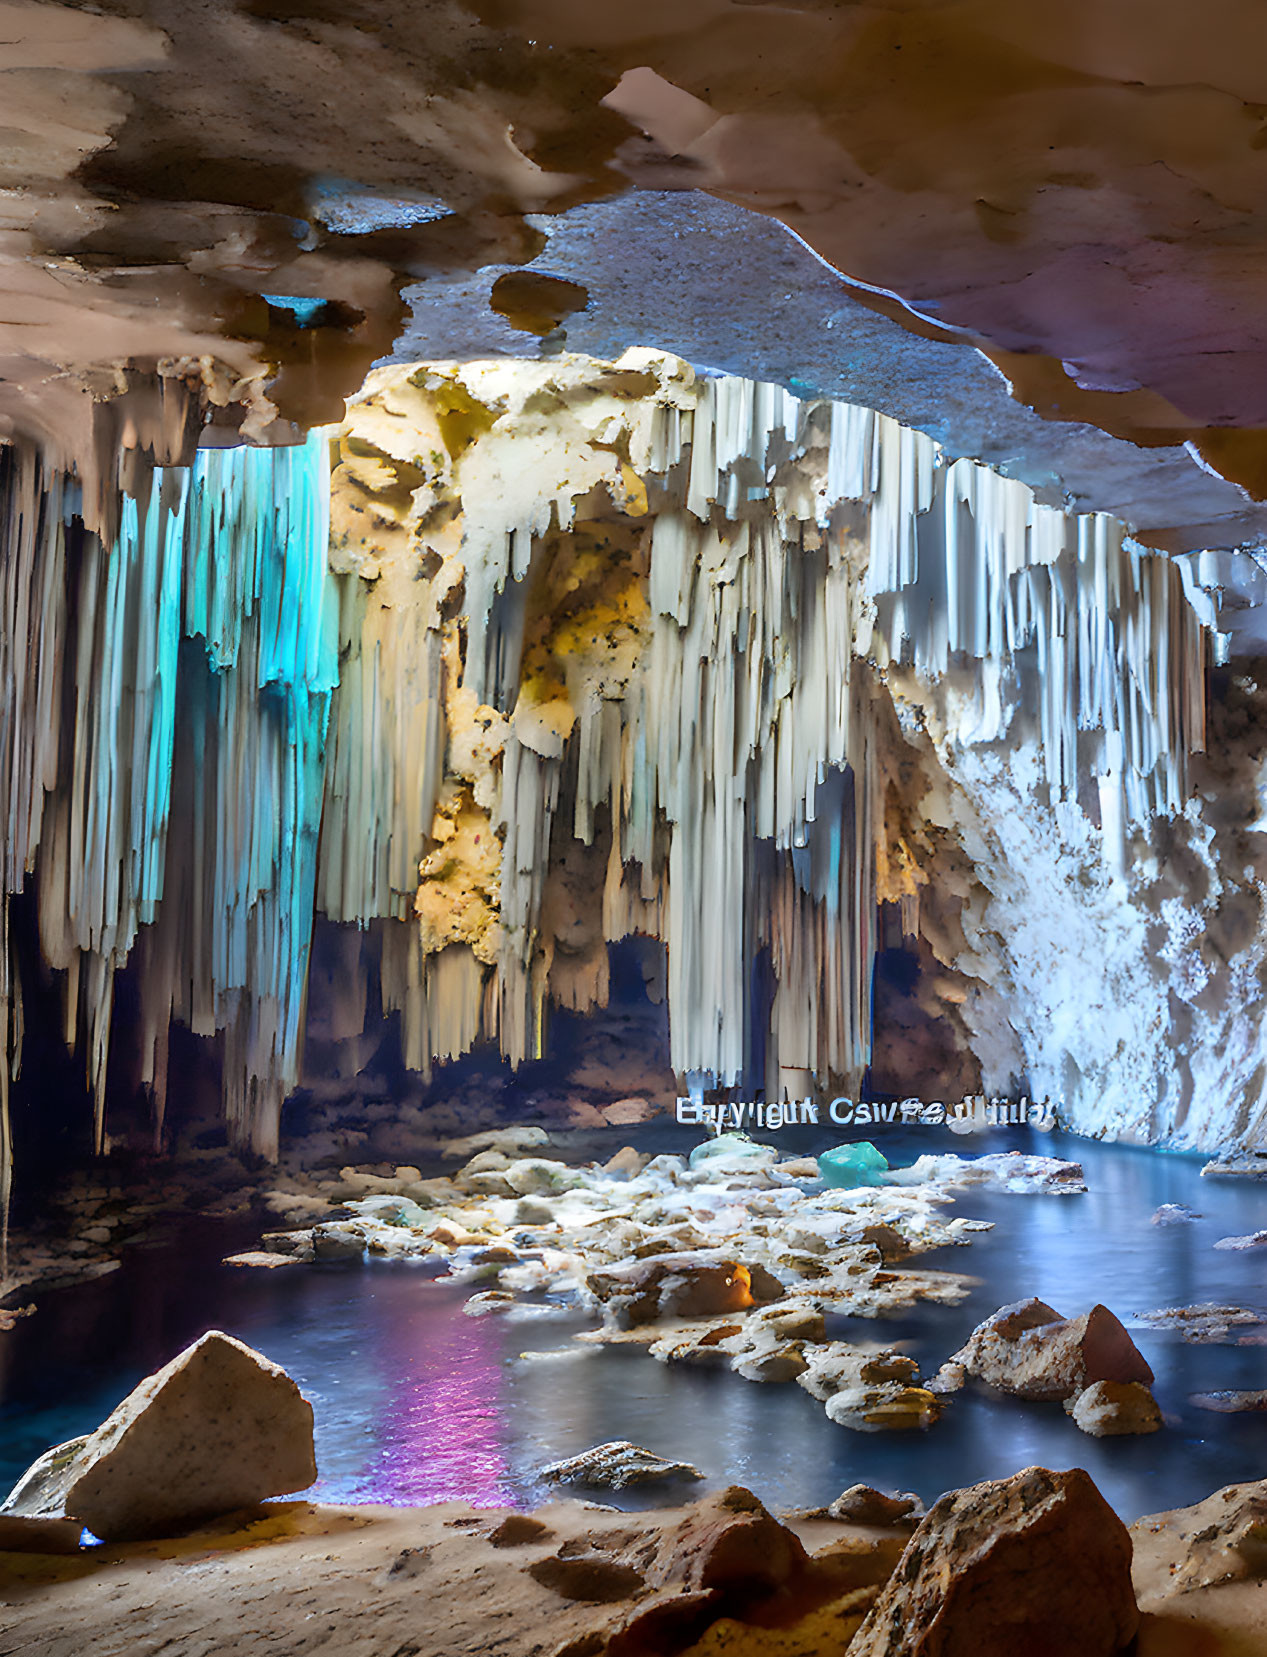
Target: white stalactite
<point x="174" y="738"/>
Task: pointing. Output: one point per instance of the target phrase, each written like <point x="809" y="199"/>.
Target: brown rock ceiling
<point x="1080" y="190"/>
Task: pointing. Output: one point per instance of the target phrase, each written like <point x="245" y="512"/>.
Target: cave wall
<point x="1126" y="981"/>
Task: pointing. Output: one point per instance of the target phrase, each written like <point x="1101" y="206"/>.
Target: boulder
<point x="218" y="1428"/>
<point x="1037" y="1565"/>
<point x="727" y="1542"/>
<point x="1031" y="1351"/>
<point x="1108" y="1409"/>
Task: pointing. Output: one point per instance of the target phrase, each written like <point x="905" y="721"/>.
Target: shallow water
<point x="416" y="1402"/>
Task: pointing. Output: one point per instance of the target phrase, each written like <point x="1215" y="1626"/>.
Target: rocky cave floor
<point x="576" y="1579"/>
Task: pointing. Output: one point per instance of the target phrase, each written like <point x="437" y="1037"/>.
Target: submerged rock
<point x="1110" y="1409"/>
<point x="1031" y="1351"/>
<point x="1255" y="1240"/>
<point x="1038" y="1563"/>
<point x="1012" y="1171"/>
<point x="1229" y="1403"/>
<point x="616" y="1464"/>
<point x="218" y="1428"/>
<point x="1204" y="1324"/>
<point x="1175" y="1213"/>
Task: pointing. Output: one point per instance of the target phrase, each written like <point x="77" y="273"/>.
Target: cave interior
<point x="634" y="678"/>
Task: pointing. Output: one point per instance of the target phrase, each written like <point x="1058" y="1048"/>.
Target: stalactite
<point x="186" y="803"/>
<point x="624" y="607"/>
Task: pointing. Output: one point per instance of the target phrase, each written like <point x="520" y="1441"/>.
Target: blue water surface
<point x="417" y="1402"/>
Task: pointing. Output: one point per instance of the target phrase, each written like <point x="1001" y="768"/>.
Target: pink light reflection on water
<point x="440" y="1427"/>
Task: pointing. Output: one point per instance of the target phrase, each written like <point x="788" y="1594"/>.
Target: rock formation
<point x="218" y="1428"/>
<point x="596" y="651"/>
<point x="991" y="1571"/>
<point x="1030" y="1350"/>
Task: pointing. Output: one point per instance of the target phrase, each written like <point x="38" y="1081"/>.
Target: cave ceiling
<point x="1038" y="233"/>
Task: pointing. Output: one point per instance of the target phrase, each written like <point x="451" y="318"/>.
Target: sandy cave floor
<point x="295" y="1578"/>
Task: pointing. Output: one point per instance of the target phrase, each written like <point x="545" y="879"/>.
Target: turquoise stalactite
<point x="185" y="820"/>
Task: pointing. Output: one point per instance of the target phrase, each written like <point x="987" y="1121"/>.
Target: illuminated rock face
<point x="565" y="652"/>
<point x="753" y="665"/>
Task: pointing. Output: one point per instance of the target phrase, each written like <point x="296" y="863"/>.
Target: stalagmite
<point x="653" y="617"/>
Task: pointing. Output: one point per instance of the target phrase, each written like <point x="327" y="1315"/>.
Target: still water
<point x="416" y="1402"/>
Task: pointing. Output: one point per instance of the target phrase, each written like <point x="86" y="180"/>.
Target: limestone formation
<point x="1035" y="1563"/>
<point x="1030" y="1350"/>
<point x="733" y="1263"/>
<point x="1207" y="1323"/>
<point x="1174" y="1213"/>
<point x="1108" y="1409"/>
<point x="488" y="739"/>
<point x="868" y="1391"/>
<point x="218" y="1428"/>
<point x="616" y="1464"/>
<point x="1231" y="1402"/>
<point x="671" y="1285"/>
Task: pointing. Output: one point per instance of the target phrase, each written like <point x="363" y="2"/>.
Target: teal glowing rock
<point x="731" y="1149"/>
<point x="845" y="1166"/>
